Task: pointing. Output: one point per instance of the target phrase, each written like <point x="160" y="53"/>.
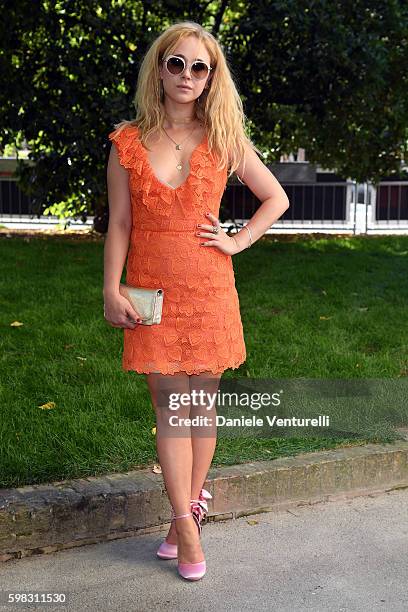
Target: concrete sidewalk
<point x="343" y="555"/>
<point x="46" y="518"/>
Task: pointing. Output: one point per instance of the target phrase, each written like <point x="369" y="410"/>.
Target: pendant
<point x="179" y="167"/>
<point x="178" y="147"/>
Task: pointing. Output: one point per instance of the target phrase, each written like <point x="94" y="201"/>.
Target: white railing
<point x="324" y="207"/>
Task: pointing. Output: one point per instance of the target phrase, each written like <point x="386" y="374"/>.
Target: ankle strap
<point x="182" y="515"/>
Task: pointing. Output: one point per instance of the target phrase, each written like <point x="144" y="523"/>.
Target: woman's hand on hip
<point x="220" y="240"/>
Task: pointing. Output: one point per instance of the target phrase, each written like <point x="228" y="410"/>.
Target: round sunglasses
<point x="176" y="65"/>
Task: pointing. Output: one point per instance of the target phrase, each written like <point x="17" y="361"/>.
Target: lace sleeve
<point x="125" y="139"/>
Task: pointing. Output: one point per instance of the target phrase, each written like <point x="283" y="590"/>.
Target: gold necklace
<point x="178" y="147"/>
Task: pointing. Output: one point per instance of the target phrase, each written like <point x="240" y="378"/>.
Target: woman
<point x="166" y="175"/>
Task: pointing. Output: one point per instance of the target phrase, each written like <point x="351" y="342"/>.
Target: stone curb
<point x="46" y="518"/>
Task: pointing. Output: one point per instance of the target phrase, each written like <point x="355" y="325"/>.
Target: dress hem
<point x="186" y="371"/>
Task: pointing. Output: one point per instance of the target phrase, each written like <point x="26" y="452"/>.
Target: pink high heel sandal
<point x="191" y="571"/>
<point x="199" y="508"/>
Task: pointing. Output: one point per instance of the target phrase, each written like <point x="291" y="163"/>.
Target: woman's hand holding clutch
<point x="118" y="312"/>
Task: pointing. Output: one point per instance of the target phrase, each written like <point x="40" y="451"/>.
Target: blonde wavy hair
<point x="219" y="107"/>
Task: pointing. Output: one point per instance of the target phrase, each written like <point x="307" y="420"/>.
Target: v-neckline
<point x="162" y="183"/>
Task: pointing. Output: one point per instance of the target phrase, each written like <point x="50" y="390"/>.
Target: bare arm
<point x="120" y="224"/>
<point x="260" y="180"/>
<point x="266" y="188"/>
<point x="117" y="308"/>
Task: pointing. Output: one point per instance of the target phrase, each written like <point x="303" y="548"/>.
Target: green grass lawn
<point x="333" y="308"/>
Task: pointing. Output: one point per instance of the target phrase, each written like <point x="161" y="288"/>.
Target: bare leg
<point x="174" y="450"/>
<point x="203" y="438"/>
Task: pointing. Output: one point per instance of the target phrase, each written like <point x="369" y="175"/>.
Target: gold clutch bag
<point x="148" y="303"/>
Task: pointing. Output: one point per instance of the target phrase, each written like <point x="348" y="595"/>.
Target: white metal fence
<point x="326" y="207"/>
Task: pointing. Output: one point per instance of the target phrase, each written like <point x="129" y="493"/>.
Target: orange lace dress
<point x="201" y="327"/>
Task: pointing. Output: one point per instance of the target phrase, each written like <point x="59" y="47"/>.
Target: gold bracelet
<point x="250" y="235"/>
<point x="250" y="240"/>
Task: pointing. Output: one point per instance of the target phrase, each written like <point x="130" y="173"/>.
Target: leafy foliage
<point x="327" y="76"/>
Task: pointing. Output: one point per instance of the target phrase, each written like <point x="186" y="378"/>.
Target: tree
<point x="323" y="75"/>
<point x="329" y="76"/>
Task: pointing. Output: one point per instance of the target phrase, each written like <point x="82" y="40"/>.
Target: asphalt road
<point x="340" y="555"/>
